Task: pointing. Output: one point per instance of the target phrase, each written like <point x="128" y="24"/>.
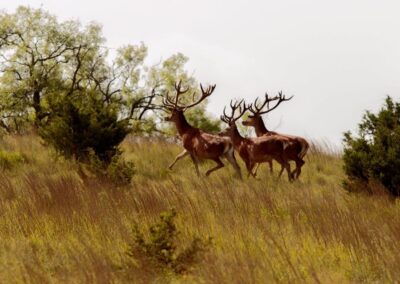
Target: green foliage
<point x="120" y="171"/>
<point x="200" y="119"/>
<point x="9" y="160"/>
<point x="161" y="249"/>
<point x="46" y="60"/>
<point x="374" y="156"/>
<point x="79" y="126"/>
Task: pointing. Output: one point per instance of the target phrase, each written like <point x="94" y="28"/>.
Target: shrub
<point x="118" y="170"/>
<point x="79" y="126"/>
<point x="374" y="155"/>
<point x="161" y="250"/>
<point x="9" y="160"/>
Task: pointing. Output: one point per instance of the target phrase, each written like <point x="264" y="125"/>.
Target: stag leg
<point x="271" y="170"/>
<point x="230" y="156"/>
<point x="255" y="170"/>
<point x="218" y="166"/>
<point x="195" y="162"/>
<point x="250" y="167"/>
<point x="299" y="164"/>
<point x="285" y="165"/>
<point x="183" y="154"/>
<point x="282" y="169"/>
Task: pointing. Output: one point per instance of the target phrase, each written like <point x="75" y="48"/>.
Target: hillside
<point x="58" y="227"/>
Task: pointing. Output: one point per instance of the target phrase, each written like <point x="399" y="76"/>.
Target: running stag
<point x="297" y="147"/>
<point x="197" y="143"/>
<point x="258" y="149"/>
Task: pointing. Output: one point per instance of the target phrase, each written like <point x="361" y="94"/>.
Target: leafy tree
<point x="60" y="77"/>
<point x="374" y="156"/>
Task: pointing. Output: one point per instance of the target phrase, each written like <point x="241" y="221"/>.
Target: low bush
<point x="161" y="251"/>
<point x="8" y="160"/>
<point x="373" y="157"/>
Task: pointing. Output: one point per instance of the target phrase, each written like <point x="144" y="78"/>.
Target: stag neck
<point x="260" y="127"/>
<point x="236" y="137"/>
<point x="182" y="125"/>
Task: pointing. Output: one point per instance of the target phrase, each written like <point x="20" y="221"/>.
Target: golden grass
<point x="57" y="227"/>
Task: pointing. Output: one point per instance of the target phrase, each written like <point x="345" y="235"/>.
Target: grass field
<point x="57" y="227"/>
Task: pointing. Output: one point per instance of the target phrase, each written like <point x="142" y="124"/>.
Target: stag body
<point x="258" y="149"/>
<point x="297" y="146"/>
<point x="197" y="143"/>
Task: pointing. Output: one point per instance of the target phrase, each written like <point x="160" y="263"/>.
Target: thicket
<point x="372" y="159"/>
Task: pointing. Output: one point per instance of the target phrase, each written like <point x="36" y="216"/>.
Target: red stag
<point x="258" y="149"/>
<point x="298" y="146"/>
<point x="197" y="143"/>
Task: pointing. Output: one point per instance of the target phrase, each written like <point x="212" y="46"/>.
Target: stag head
<point x="173" y="105"/>
<point x="238" y="108"/>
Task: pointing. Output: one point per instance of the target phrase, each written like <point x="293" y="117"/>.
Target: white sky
<point x="338" y="58"/>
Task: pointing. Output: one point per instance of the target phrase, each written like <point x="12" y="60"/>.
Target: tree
<point x="34" y="50"/>
<point x="60" y="77"/>
<point x="374" y="156"/>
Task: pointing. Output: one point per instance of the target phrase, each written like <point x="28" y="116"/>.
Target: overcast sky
<point x="338" y="58"/>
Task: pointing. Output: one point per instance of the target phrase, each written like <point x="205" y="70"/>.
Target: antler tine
<point x="167" y="102"/>
<point x="242" y="110"/>
<point x="204" y="94"/>
<point x="255" y="109"/>
<point x="235" y="106"/>
<point x="225" y="117"/>
<point x="280" y="97"/>
<point x="179" y="91"/>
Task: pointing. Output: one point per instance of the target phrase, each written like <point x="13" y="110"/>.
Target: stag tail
<point x="304" y="149"/>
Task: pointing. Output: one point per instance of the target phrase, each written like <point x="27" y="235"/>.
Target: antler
<point x="234" y="106"/>
<point x="257" y="110"/>
<point x="174" y="104"/>
<point x="170" y="103"/>
<point x="204" y="94"/>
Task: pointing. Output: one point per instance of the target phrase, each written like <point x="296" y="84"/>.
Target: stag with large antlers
<point x="258" y="149"/>
<point x="297" y="147"/>
<point x="197" y="143"/>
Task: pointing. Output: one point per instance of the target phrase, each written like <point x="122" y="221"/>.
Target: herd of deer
<point x="267" y="146"/>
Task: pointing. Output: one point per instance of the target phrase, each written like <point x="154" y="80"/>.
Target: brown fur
<point x="297" y="146"/>
<point x="197" y="143"/>
<point x="259" y="149"/>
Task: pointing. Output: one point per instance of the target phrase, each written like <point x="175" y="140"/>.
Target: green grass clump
<point x="9" y="160"/>
<point x="161" y="252"/>
<point x="59" y="227"/>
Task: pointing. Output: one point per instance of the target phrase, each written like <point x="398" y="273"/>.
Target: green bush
<point x="161" y="251"/>
<point x="120" y="171"/>
<point x="373" y="157"/>
<point x="79" y="126"/>
<point x="8" y="160"/>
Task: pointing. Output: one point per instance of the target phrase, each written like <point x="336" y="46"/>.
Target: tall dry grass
<point x="60" y="224"/>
